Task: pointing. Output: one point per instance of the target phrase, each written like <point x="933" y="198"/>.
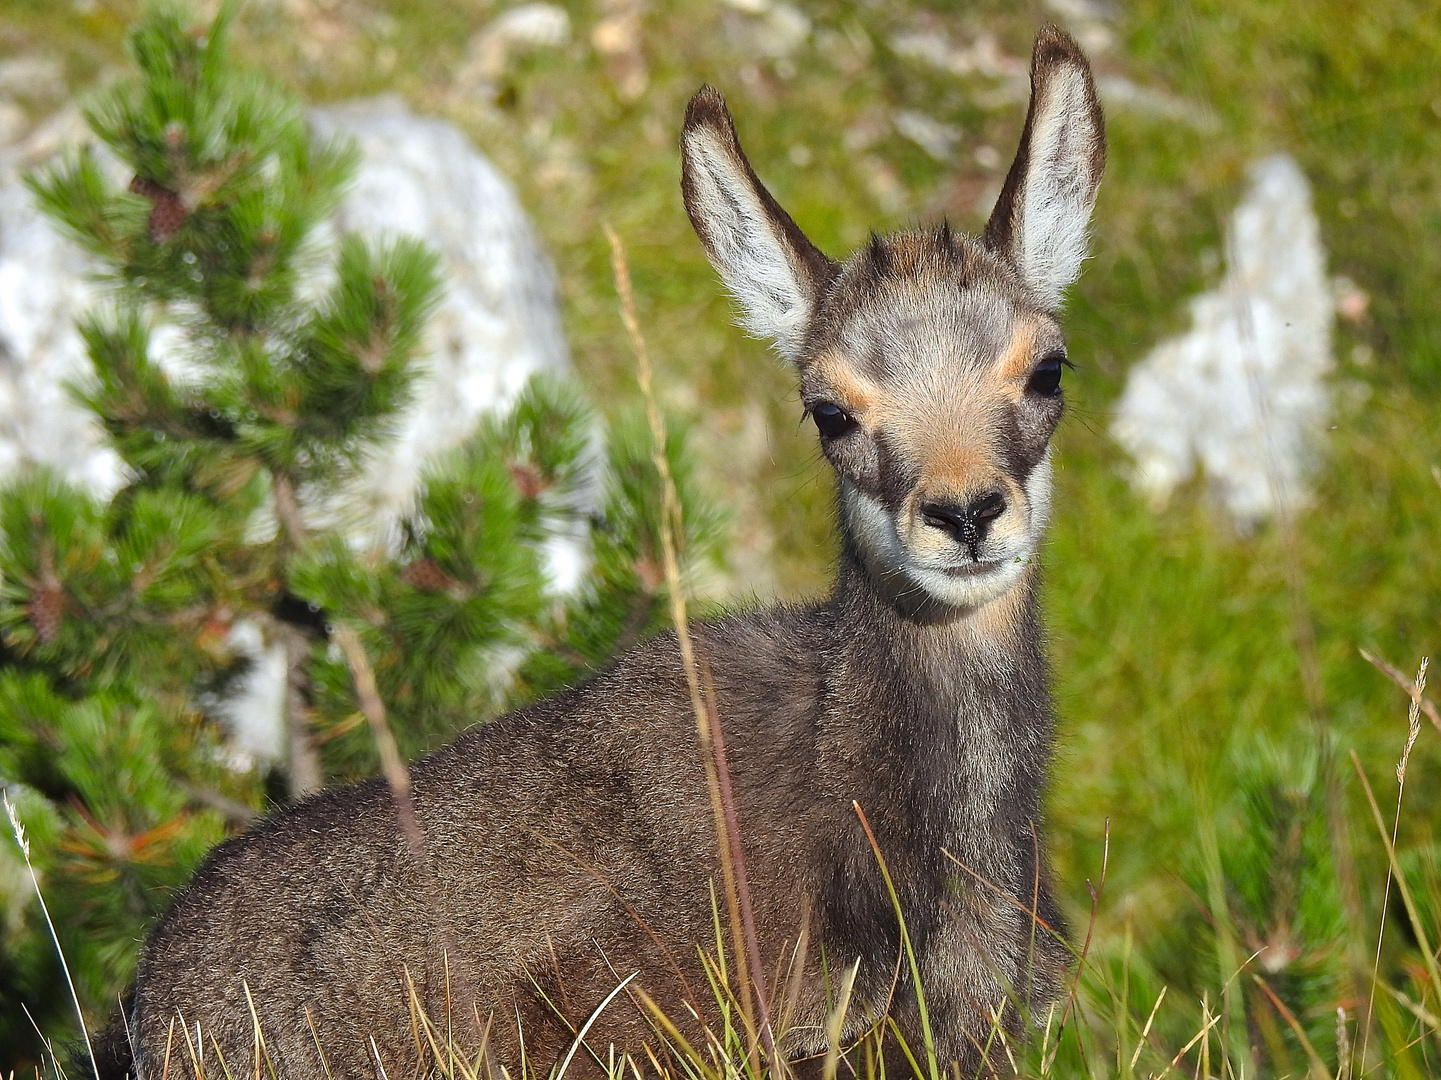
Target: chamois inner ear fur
<point x="1041" y="218"/>
<point x="766" y="262"/>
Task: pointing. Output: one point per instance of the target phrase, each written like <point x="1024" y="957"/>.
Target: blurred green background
<point x="1188" y="736"/>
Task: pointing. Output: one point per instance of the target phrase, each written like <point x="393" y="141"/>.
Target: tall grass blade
<point x="1145" y="1031"/>
<point x="17" y="828"/>
<point x="835" y="1023"/>
<point x="1413" y="726"/>
<point x="1428" y="958"/>
<point x="1071" y="996"/>
<point x="1418" y="1011"/>
<point x="907" y="949"/>
<point x="674" y="1034"/>
<point x="1207" y="1023"/>
<point x="314" y="1035"/>
<point x="1318" y="1067"/>
<point x="44" y="1042"/>
<point x="589" y="1020"/>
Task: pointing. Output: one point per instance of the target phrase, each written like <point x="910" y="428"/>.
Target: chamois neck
<point x="951" y="715"/>
<point x="1004" y="632"/>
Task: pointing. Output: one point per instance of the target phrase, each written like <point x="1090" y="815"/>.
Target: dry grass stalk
<point x="17" y="827"/>
<point x="1030" y="912"/>
<point x="1392" y="672"/>
<point x="1317" y="1066"/>
<point x="392" y="767"/>
<point x="707" y="723"/>
<point x="1393" y="870"/>
<point x="1146" y="1031"/>
<point x="835" y="1023"/>
<point x="1071" y="996"/>
<point x="910" y="956"/>
<point x="1208" y="1021"/>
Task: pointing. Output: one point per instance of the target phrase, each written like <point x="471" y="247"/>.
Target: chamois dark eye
<point x="831" y="420"/>
<point x="1046" y="379"/>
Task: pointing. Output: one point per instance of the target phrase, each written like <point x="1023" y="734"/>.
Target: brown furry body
<point x="565" y="835"/>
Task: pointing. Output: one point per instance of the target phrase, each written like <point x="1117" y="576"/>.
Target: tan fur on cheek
<point x="1015" y="362"/>
<point x="1013" y="369"/>
<point x="850" y="389"/>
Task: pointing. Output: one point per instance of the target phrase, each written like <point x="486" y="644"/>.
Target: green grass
<point x="1173" y="638"/>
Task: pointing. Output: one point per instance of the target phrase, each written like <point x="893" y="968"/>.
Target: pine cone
<point x="529" y="480"/>
<point x="167" y="208"/>
<point x="651" y="574"/>
<point x="425" y="574"/>
<point x="47" y="601"/>
<point x="213" y="636"/>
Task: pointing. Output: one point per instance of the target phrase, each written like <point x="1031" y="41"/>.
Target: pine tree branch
<point x="287" y="511"/>
<point x="567" y="652"/>
<point x="304" y="773"/>
<point x="641" y="607"/>
<point x="234" y="811"/>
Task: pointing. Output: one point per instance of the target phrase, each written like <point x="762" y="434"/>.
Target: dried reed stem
<point x="397" y="778"/>
<point x="304" y="773"/>
<point x="1397" y="676"/>
<point x="1317" y="1066"/>
<point x="392" y="767"/>
<point x="738" y="898"/>
<point x="1413" y="729"/>
<point x="305" y="776"/>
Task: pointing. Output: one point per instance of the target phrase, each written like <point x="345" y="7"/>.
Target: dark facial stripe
<point x="895" y="478"/>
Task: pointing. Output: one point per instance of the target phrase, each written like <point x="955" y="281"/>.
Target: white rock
<point x="13" y="121"/>
<point x="536" y="25"/>
<point x="255" y="709"/>
<point x="783" y="29"/>
<point x="32" y="76"/>
<point x="533" y="24"/>
<point x="499" y="322"/>
<point x="43" y="288"/>
<point x="1119" y="92"/>
<point x="774" y="29"/>
<point x="1242" y="396"/>
<point x="982" y="55"/>
<point x="931" y="135"/>
<point x="1089" y="20"/>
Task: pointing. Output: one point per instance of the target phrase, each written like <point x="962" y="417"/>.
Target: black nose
<point x="967" y="524"/>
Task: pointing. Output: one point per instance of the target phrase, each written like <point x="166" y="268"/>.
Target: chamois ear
<point x="1041" y="217"/>
<point x="774" y="272"/>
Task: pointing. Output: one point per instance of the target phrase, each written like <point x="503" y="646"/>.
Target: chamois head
<point x="930" y="362"/>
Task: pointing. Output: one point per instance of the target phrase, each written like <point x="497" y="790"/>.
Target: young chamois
<point x="572" y="844"/>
